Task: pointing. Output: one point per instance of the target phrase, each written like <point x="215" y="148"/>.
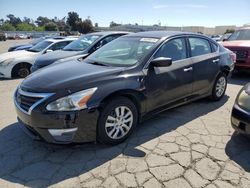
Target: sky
<point x="207" y="13"/>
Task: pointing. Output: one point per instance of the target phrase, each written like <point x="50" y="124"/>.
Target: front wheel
<point x="219" y="87"/>
<point x="117" y="121"/>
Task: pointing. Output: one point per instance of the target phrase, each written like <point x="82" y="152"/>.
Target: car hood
<point x="71" y="75"/>
<point x="236" y="43"/>
<point x="51" y="57"/>
<point x="16" y="54"/>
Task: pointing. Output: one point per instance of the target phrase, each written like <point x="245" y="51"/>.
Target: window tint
<point x="105" y="41"/>
<point x="199" y="46"/>
<point x="174" y="49"/>
<point x="59" y="45"/>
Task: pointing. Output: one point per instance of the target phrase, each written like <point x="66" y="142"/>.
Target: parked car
<point x="216" y="37"/>
<point x="18" y="63"/>
<point x="240" y="118"/>
<point x="239" y="43"/>
<point x="32" y="43"/>
<point x="2" y="36"/>
<point x="84" y="46"/>
<point x="225" y="36"/>
<point x="104" y="96"/>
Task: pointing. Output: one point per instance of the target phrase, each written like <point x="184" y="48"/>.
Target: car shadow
<point x="239" y="78"/>
<point x="238" y="150"/>
<point x="37" y="164"/>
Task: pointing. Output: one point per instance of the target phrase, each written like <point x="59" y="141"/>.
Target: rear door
<point x="205" y="63"/>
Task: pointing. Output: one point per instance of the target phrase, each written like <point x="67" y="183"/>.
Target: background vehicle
<point x="225" y="37"/>
<point x="2" y="36"/>
<point x="239" y="43"/>
<point x="104" y="96"/>
<point x="18" y="63"/>
<point x="216" y="37"/>
<point x="84" y="46"/>
<point x="32" y="43"/>
<point x="241" y="111"/>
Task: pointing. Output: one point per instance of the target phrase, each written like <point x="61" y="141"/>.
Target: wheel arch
<point x="17" y="65"/>
<point x="135" y="96"/>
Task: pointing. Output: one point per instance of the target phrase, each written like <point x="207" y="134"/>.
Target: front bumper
<point x="240" y="120"/>
<point x="59" y="127"/>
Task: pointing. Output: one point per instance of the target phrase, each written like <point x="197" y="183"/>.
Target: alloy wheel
<point x="119" y="122"/>
<point x="220" y="86"/>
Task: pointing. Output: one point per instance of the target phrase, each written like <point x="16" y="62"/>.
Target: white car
<point x="18" y="63"/>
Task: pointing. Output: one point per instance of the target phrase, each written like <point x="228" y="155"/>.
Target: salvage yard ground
<point x="189" y="146"/>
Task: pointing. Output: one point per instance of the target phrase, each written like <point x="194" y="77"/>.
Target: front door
<point x="166" y="85"/>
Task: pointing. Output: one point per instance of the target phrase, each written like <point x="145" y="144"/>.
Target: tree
<point x="40" y="28"/>
<point x="73" y="20"/>
<point x="51" y="26"/>
<point x="7" y="27"/>
<point x="85" y="26"/>
<point x="41" y="21"/>
<point x="24" y="27"/>
<point x="113" y="24"/>
<point x="229" y="31"/>
<point x="96" y="24"/>
<point x="14" y="20"/>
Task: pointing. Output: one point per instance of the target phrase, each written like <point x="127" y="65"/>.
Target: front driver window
<point x="174" y="49"/>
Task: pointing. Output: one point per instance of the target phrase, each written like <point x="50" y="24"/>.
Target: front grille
<point x="240" y="54"/>
<point x="26" y="101"/>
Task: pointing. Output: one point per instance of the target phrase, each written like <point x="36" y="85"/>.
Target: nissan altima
<point x="103" y="97"/>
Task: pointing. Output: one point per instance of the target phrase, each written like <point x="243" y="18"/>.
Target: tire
<point x="219" y="88"/>
<point x="21" y="70"/>
<point x="113" y="127"/>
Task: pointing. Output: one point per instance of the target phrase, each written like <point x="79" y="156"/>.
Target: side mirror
<point x="49" y="50"/>
<point x="161" y="62"/>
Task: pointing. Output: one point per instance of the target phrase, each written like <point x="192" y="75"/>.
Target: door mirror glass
<point x="161" y="62"/>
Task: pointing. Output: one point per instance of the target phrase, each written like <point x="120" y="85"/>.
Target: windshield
<point x="40" y="46"/>
<point x="123" y="51"/>
<point x="81" y="43"/>
<point x="35" y="41"/>
<point x="240" y="35"/>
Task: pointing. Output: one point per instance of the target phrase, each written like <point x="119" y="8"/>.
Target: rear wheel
<point x="117" y="121"/>
<point x="219" y="87"/>
<point x="21" y="70"/>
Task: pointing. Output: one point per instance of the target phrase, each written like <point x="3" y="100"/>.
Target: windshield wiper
<point x="98" y="63"/>
<point x="30" y="50"/>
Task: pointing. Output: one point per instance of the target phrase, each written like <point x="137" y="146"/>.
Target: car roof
<point x="60" y="40"/>
<point x="161" y="34"/>
<point x="104" y="33"/>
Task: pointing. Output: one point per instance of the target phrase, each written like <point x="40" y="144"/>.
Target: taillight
<point x="233" y="56"/>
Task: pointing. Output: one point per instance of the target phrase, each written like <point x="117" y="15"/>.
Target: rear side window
<point x="199" y="46"/>
<point x="174" y="49"/>
<point x="214" y="47"/>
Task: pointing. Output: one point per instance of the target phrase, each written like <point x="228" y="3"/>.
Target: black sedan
<point x="84" y="46"/>
<point x="106" y="95"/>
<point x="240" y="118"/>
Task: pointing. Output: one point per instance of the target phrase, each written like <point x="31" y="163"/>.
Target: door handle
<point x="216" y="60"/>
<point x="188" y="69"/>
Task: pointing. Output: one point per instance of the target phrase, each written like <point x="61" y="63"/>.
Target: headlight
<point x="75" y="101"/>
<point x="244" y="99"/>
<point x="6" y="62"/>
